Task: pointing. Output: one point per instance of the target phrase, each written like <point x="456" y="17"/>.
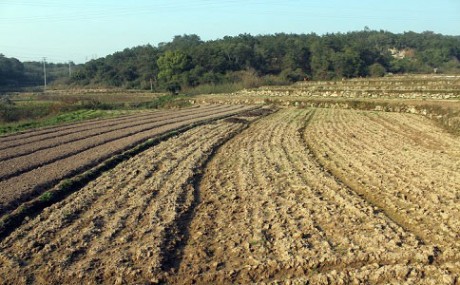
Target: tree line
<point x="15" y="74"/>
<point x="187" y="61"/>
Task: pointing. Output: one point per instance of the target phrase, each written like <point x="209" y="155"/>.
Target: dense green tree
<point x="377" y="70"/>
<point x="11" y="71"/>
<point x="322" y="60"/>
<point x="173" y="67"/>
<point x="188" y="61"/>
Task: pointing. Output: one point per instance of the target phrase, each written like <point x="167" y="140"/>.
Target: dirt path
<point x="64" y="162"/>
<point x="270" y="212"/>
<point x="124" y="226"/>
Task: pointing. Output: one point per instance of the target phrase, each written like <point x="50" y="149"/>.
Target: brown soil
<point x="316" y="196"/>
<point x="57" y="150"/>
<point x="403" y="163"/>
<point x="33" y="142"/>
<point x="32" y="174"/>
<point x="270" y="212"/>
<point x="124" y="226"/>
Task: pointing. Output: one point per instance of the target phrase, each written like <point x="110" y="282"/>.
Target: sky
<point x="78" y="31"/>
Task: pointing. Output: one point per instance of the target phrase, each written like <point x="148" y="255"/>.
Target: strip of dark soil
<point x="46" y="130"/>
<point x="57" y="131"/>
<point x="59" y="138"/>
<point x="17" y="166"/>
<point x="19" y="189"/>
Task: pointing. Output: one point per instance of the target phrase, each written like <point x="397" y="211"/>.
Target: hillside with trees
<point x="187" y="61"/>
<point x="15" y="74"/>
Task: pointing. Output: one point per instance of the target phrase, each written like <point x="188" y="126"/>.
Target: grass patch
<point x="11" y="112"/>
<point x="66" y="184"/>
<point x="61" y="118"/>
<point x="166" y="102"/>
<point x="47" y="196"/>
<point x="215" y="88"/>
<point x="20" y="112"/>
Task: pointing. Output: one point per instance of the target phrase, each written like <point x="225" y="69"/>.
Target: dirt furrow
<point x="48" y="131"/>
<point x="409" y="132"/>
<point x="344" y="215"/>
<point x="14" y="167"/>
<point x="375" y="273"/>
<point x="56" y="139"/>
<point x="303" y="196"/>
<point x="119" y="228"/>
<point x="428" y="137"/>
<point x="297" y="220"/>
<point x="288" y="186"/>
<point x="429" y="169"/>
<point x="246" y="196"/>
<point x="417" y="185"/>
<point x="328" y="148"/>
<point x="21" y="188"/>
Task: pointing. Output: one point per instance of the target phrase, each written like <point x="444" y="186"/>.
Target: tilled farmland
<point x="272" y="211"/>
<point x="300" y="196"/>
<point x="41" y="159"/>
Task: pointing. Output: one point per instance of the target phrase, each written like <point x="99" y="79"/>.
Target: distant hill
<point x="187" y="61"/>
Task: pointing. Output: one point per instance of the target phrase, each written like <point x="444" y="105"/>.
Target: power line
<point x="130" y="10"/>
<point x="92" y="10"/>
<point x="44" y="73"/>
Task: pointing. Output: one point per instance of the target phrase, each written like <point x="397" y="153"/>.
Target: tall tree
<point x="172" y="66"/>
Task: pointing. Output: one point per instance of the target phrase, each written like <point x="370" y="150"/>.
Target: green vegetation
<point x="167" y="101"/>
<point x="67" y="117"/>
<point x="47" y="196"/>
<point x="247" y="61"/>
<point x="171" y="65"/>
<point x="22" y="111"/>
<point x="15" y="75"/>
<point x="190" y="66"/>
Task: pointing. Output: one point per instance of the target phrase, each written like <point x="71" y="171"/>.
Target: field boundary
<point x="10" y="221"/>
<point x="445" y="113"/>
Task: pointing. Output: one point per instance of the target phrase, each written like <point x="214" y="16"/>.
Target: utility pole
<point x="70" y="69"/>
<point x="44" y="73"/>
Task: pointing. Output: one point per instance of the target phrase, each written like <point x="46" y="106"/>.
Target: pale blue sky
<point x="64" y="30"/>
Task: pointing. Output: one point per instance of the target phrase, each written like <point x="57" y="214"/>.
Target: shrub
<point x="377" y="70"/>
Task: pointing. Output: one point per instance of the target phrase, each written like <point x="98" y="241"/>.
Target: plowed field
<point x="35" y="161"/>
<point x="272" y="211"/>
<point x="299" y="196"/>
